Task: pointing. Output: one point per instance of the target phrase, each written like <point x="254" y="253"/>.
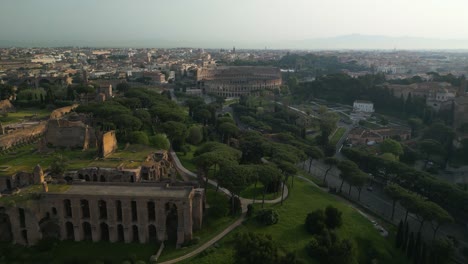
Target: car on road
<point x="370" y="188"/>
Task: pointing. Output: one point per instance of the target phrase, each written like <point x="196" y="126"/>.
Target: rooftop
<point x="133" y="190"/>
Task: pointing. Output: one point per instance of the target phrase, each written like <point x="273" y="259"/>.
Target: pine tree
<point x="410" y="248"/>
<point x="399" y="235"/>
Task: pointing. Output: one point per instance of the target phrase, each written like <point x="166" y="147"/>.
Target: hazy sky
<point x="223" y="20"/>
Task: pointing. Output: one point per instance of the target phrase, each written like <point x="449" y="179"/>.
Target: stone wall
<point x="73" y="134"/>
<point x="22" y="136"/>
<point x="108" y="143"/>
<point x="6" y="106"/>
<point x="107" y="217"/>
<point x="60" y="112"/>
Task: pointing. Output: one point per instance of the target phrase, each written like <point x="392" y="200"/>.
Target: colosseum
<point x="235" y="81"/>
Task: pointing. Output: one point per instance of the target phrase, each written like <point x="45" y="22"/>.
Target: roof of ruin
<point x="132" y="190"/>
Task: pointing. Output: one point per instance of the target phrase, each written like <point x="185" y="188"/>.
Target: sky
<point x="228" y="21"/>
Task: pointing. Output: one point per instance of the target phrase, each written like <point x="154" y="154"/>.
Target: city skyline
<point x="247" y="24"/>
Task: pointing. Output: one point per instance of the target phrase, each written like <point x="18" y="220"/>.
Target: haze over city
<point x="361" y="24"/>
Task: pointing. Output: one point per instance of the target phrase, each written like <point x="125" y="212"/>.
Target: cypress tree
<point x="410" y="248"/>
<point x="405" y="237"/>
<point x="417" y="249"/>
<point x="423" y="258"/>
<point x="399" y="235"/>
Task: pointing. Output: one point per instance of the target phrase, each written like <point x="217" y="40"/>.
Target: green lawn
<point x="337" y="136"/>
<point x="30" y="192"/>
<point x="27" y="157"/>
<point x="186" y="159"/>
<point x="25" y="115"/>
<point x="290" y="234"/>
<point x="250" y="191"/>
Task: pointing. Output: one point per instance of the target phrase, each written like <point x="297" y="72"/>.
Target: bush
<point x="333" y="217"/>
<point x="315" y="222"/>
<point x="160" y="141"/>
<point x="138" y="137"/>
<point x="250" y="210"/>
<point x="267" y="217"/>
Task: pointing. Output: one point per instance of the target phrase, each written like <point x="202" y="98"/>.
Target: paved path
<point x="244" y="202"/>
<point x="209" y="243"/>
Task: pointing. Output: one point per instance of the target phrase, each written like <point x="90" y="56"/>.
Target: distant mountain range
<point x="353" y="42"/>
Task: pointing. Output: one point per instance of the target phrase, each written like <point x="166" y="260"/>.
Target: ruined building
<point x="143" y="205"/>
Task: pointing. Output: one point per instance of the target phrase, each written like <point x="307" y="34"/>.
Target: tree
<point x="442" y="251"/>
<point x="342" y="252"/>
<point x="330" y="161"/>
<point x="430" y="147"/>
<point x="228" y="130"/>
<point x="410" y="248"/>
<point x="267" y="216"/>
<point x="313" y="153"/>
<point x="267" y="174"/>
<point x="399" y="235"/>
<point x="235" y="178"/>
<point x="327" y="125"/>
<point x="417" y="248"/>
<point x="195" y="135"/>
<point x="138" y="137"/>
<point x="391" y="146"/>
<point x="438" y="216"/>
<point x="315" y="222"/>
<point x="160" y="141"/>
<point x="288" y="169"/>
<point x="347" y="168"/>
<point x="176" y="132"/>
<point x="395" y="192"/>
<point x="59" y="164"/>
<point x="358" y="180"/>
<point x="123" y="87"/>
<point x="251" y="248"/>
<point x="333" y="217"/>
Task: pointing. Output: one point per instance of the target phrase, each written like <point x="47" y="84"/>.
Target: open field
<point x="27" y="157"/>
<point x="25" y="115"/>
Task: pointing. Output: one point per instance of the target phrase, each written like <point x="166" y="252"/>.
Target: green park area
<point x="24" y="115"/>
<point x="291" y="236"/>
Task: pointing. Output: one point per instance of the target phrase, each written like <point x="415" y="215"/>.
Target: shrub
<point x="333" y="217"/>
<point x="267" y="217"/>
<point x="315" y="222"/>
<point x="138" y="137"/>
<point x="250" y="210"/>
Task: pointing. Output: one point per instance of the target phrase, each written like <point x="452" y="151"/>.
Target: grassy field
<point x="30" y="191"/>
<point x="250" y="191"/>
<point x="25" y="115"/>
<point x="186" y="159"/>
<point x="337" y="136"/>
<point x="290" y="234"/>
<point x="27" y="157"/>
